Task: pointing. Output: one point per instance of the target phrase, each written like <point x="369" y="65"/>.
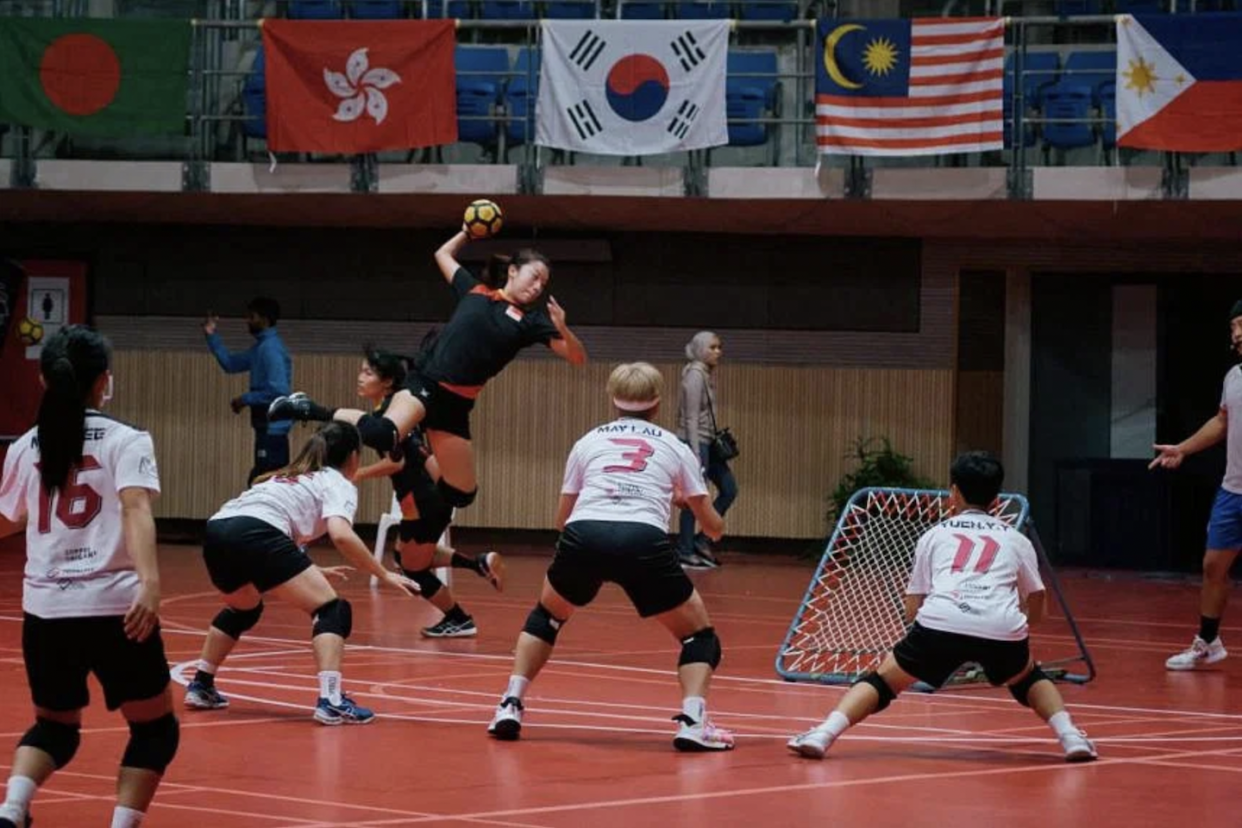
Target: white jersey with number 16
<point x="77" y="564"/>
<point x="627" y="471"/>
<point x="975" y="570"/>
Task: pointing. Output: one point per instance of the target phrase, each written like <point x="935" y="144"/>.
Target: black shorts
<point x="60" y="652"/>
<point x="446" y="411"/>
<point x="932" y="656"/>
<point x="634" y="556"/>
<point x="417" y="485"/>
<point x="245" y="550"/>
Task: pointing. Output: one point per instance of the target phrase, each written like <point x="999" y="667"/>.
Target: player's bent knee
<point x="456" y="497"/>
<point x="152" y="745"/>
<point x="57" y="739"/>
<point x="1021" y="690"/>
<point x="380" y="433"/>
<point x="428" y="583"/>
<point x="429" y="527"/>
<point x="701" y="648"/>
<point x="335" y="618"/>
<point x="881" y="686"/>
<point x="234" y="622"/>
<point x="542" y="624"/>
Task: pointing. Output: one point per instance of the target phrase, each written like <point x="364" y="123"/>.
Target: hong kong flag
<point x="359" y="86"/>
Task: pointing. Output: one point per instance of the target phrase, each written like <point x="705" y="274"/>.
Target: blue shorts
<point x="1224" y="529"/>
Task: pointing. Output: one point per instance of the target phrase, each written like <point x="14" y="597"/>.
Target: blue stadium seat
<point x="315" y="10"/>
<point x="254" y="99"/>
<point x="750" y="97"/>
<point x="1093" y="69"/>
<point x="507" y="10"/>
<point x="641" y="11"/>
<point x="1068" y="99"/>
<point x="768" y="10"/>
<point x="451" y="9"/>
<point x="688" y="10"/>
<point x="521" y="93"/>
<point x="377" y="9"/>
<point x="481" y="73"/>
<point x="1039" y="71"/>
<point x="1108" y="108"/>
<point x="1141" y="6"/>
<point x="1069" y="8"/>
<point x="570" y="10"/>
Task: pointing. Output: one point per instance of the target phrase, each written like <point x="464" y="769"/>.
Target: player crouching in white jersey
<point x="252" y="548"/>
<point x="974" y="588"/>
<point x="620" y="482"/>
<point x="81" y="485"/>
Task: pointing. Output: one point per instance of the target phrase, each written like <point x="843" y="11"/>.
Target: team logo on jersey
<point x="514" y="313"/>
<point x="146" y="467"/>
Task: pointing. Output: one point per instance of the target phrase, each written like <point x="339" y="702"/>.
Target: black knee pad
<point x="428" y="583"/>
<point x="335" y="617"/>
<point x="881" y="686"/>
<point x="456" y="497"/>
<point x="542" y="624"/>
<point x="701" y="648"/>
<point x="233" y="622"/>
<point x="1022" y="690"/>
<point x="380" y="433"/>
<point x="430" y="525"/>
<point x="152" y="745"/>
<point x="58" y="740"/>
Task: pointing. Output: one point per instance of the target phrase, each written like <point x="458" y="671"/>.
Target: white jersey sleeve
<point x="571" y="484"/>
<point x="690" y="480"/>
<point x="921" y="573"/>
<point x="1028" y="568"/>
<point x="135" y="463"/>
<point x="340" y="497"/>
<point x="12" y="490"/>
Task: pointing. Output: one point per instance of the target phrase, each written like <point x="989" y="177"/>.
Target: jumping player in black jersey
<point x="424" y="514"/>
<point x="486" y="331"/>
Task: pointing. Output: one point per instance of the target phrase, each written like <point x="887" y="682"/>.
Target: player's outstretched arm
<point x="569" y="347"/>
<point x="446" y="256"/>
<point x="138" y="527"/>
<point x="347" y="542"/>
<point x="1211" y="433"/>
<point x="382" y="468"/>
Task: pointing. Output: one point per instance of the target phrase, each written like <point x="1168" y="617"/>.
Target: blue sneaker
<point x="344" y="713"/>
<point x="202" y="697"/>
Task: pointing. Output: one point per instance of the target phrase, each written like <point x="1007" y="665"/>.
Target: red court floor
<point x="597" y="749"/>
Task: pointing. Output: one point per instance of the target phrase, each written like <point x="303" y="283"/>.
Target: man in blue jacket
<point x="271" y="376"/>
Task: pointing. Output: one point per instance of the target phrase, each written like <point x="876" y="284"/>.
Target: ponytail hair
<point x="71" y="363"/>
<point x="329" y="448"/>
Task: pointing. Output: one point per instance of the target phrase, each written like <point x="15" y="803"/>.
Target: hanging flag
<point x="359" y="86"/>
<point x="1179" y="82"/>
<point x="928" y="86"/>
<point x="632" y="87"/>
<point x="89" y="76"/>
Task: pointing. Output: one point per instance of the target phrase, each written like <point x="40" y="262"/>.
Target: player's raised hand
<point x="556" y="313"/>
<point x="210" y="322"/>
<point x="1167" y="457"/>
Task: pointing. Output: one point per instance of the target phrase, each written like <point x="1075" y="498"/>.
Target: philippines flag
<point x="910" y="87"/>
<point x="1179" y="82"/>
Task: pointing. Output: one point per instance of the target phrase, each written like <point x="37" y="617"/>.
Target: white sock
<point x="1061" y="723"/>
<point x="208" y="667"/>
<point x="517" y="687"/>
<point x="123" y="817"/>
<point x="694" y="708"/>
<point x="17" y="797"/>
<point x="330" y="685"/>
<point x="836" y="723"/>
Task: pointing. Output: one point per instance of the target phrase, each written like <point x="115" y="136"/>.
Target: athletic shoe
<point x="26" y="821"/>
<point x="492" y="567"/>
<point x="347" y="712"/>
<point x="700" y="736"/>
<point x="451" y="629"/>
<point x="703" y="547"/>
<point x="1077" y="747"/>
<point x="295" y="406"/>
<point x="694" y="561"/>
<point x="204" y="697"/>
<point x="813" y="744"/>
<point x="1198" y="654"/>
<point x="507" y="723"/>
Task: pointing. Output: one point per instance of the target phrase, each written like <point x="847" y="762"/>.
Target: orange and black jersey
<point x="484" y="334"/>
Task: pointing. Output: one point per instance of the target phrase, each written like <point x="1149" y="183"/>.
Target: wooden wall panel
<point x="981" y="411"/>
<point x="794" y="424"/>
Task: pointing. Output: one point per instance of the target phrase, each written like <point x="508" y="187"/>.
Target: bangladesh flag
<point x="94" y="77"/>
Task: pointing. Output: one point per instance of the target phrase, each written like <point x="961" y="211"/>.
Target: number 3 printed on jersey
<point x="77" y="504"/>
<point x="638" y="457"/>
<point x="966" y="547"/>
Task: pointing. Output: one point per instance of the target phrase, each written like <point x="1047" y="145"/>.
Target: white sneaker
<point x="1077" y="747"/>
<point x="700" y="736"/>
<point x="507" y="723"/>
<point x="1198" y="654"/>
<point x="813" y="744"/>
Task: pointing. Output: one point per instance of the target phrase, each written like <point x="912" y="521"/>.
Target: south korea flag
<point x="632" y="87"/>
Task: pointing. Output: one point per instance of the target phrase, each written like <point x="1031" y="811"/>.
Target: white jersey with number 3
<point x="974" y="570"/>
<point x="298" y="506"/>
<point x="627" y="471"/>
<point x="77" y="564"/>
